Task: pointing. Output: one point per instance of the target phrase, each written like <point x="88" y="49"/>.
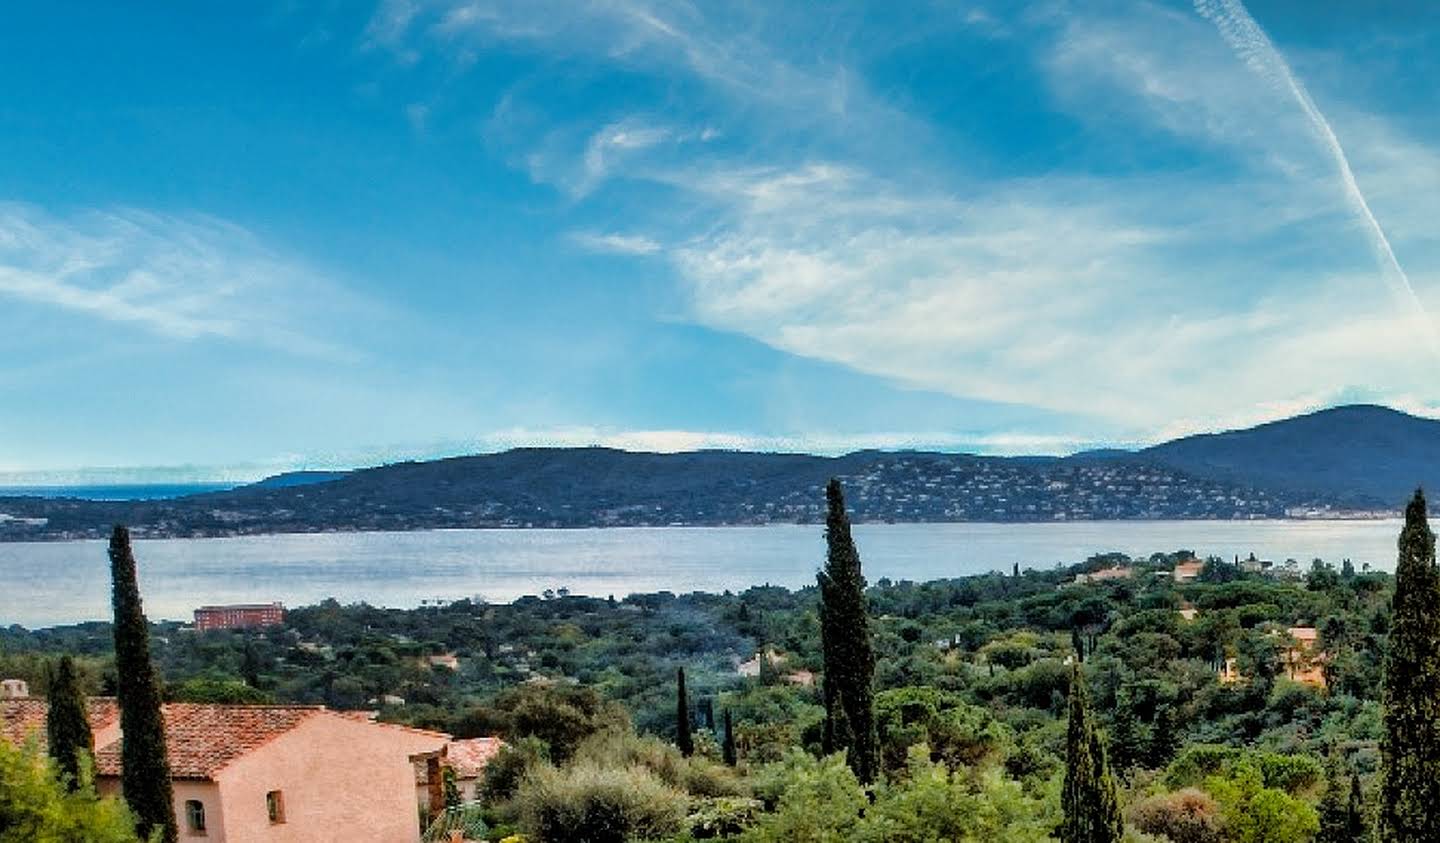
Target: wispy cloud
<point x="1221" y="281"/>
<point x="184" y="278"/>
<point x="1254" y="46"/>
<point x="617" y="244"/>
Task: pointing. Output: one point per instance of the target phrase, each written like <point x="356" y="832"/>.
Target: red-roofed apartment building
<point x="281" y="774"/>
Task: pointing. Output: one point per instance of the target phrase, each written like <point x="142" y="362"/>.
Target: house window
<point x="275" y="806"/>
<point x="195" y="815"/>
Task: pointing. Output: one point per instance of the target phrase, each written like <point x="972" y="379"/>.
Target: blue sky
<point x="312" y="234"/>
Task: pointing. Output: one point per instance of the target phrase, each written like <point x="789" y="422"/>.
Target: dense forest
<point x="1241" y="704"/>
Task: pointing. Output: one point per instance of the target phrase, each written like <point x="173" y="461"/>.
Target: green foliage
<point x="583" y="803"/>
<point x="810" y="801"/>
<point x="504" y="772"/>
<point x="67" y="725"/>
<point x="1410" y="789"/>
<point x="955" y="731"/>
<point x="562" y="716"/>
<point x="145" y="769"/>
<point x="1089" y="799"/>
<point x="846" y="645"/>
<point x="722" y="816"/>
<point x="36" y="806"/>
<point x="219" y="691"/>
<point x="683" y="738"/>
<point x="1255" y="813"/>
<point x="728" y="747"/>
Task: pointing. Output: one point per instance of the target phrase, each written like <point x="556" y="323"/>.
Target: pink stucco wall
<point x="342" y="780"/>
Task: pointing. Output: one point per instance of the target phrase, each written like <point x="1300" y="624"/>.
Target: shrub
<point x="588" y="804"/>
<point x="1186" y="816"/>
<point x="504" y="773"/>
<point x="723" y="816"/>
<point x="696" y="776"/>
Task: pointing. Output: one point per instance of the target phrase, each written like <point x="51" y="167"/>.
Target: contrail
<point x="1253" y="46"/>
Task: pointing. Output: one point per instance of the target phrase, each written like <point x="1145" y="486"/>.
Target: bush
<point x="36" y="806"/>
<point x="695" y="775"/>
<point x="588" y="804"/>
<point x="1186" y="816"/>
<point x="504" y="773"/>
<point x="723" y="816"/>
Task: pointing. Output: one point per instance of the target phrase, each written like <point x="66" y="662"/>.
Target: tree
<point x="1089" y="800"/>
<point x="1410" y="745"/>
<point x="1334" y="806"/>
<point x="849" y="692"/>
<point x="36" y="807"/>
<point x="450" y="788"/>
<point x="1356" y="827"/>
<point x="1164" y="737"/>
<point x="145" y="770"/>
<point x="1127" y="745"/>
<point x="728" y="748"/>
<point x="67" y="726"/>
<point x="683" y="738"/>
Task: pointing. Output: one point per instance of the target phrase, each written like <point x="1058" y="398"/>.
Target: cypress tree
<point x="849" y="691"/>
<point x="683" y="738"/>
<point x="1410" y="745"/>
<point x="67" y="726"/>
<point x="1089" y="800"/>
<point x="145" y="770"/>
<point x="728" y="748"/>
<point x="1334" y="806"/>
<point x="1164" y="738"/>
<point x="1355" y="825"/>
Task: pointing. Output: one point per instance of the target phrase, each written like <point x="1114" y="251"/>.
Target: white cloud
<point x="617" y="244"/>
<point x="185" y="278"/>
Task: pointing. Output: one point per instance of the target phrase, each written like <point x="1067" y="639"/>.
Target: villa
<point x="274" y="773"/>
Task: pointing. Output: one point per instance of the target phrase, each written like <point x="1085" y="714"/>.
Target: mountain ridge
<point x="1346" y="459"/>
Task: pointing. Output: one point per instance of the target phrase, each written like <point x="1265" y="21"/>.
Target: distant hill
<point x="1348" y="458"/>
<point x="297" y="478"/>
<point x="1355" y="456"/>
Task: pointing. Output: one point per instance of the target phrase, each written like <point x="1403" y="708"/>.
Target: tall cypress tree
<point x="1334" y="806"/>
<point x="1410" y="746"/>
<point x="1089" y="800"/>
<point x="67" y="726"/>
<point x="849" y="691"/>
<point x="1355" y="825"/>
<point x="683" y="738"/>
<point x="145" y="770"/>
<point x="728" y="749"/>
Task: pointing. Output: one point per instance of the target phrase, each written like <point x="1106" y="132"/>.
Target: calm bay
<point x="53" y="583"/>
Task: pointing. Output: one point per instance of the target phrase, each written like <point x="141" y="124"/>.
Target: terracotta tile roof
<point x="202" y="739"/>
<point x="470" y="756"/>
<point x="24" y="717"/>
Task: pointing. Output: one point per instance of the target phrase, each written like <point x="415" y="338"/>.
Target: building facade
<point x="239" y="616"/>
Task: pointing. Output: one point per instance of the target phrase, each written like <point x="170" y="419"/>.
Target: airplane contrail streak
<point x="1250" y="42"/>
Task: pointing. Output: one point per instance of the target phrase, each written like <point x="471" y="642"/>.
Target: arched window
<point x="195" y="815"/>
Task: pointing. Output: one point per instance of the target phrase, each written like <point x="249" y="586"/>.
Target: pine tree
<point x="728" y="748"/>
<point x="849" y="655"/>
<point x="67" y="726"/>
<point x="1410" y="745"/>
<point x="1089" y="800"/>
<point x="683" y="738"/>
<point x="145" y="770"/>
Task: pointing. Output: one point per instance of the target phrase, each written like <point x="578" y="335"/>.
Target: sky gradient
<point x="333" y="234"/>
